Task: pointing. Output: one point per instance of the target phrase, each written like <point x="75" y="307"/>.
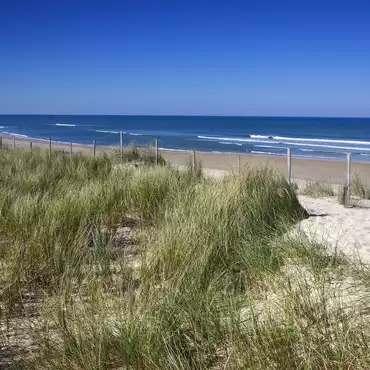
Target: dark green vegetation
<point x="156" y="268"/>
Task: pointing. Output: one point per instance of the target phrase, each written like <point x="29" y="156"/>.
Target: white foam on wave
<point x="173" y="150"/>
<point x="319" y="147"/>
<point x="297" y="142"/>
<point x="260" y="137"/>
<point x="262" y="153"/>
<point x="134" y="134"/>
<point x="65" y="124"/>
<point x="355" y="142"/>
<point x="13" y="134"/>
<point x="229" y="143"/>
<point x="107" y="131"/>
<point x="229" y="139"/>
<point x="268" y="146"/>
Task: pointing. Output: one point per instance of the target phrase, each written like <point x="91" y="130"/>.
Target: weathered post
<point x="289" y="160"/>
<point x="156" y="151"/>
<point x="121" y="144"/>
<point x="1" y="142"/>
<point x="348" y="181"/>
<point x="239" y="164"/>
<point x="13" y="142"/>
<point x="31" y="145"/>
<point x="94" y="148"/>
<point x="194" y="160"/>
<point x="50" y="146"/>
<point x="70" y="150"/>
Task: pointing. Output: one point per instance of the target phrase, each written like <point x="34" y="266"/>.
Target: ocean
<point x="319" y="138"/>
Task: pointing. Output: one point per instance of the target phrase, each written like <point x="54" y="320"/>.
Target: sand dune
<point x="344" y="229"/>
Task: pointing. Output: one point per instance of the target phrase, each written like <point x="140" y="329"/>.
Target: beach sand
<point x="343" y="229"/>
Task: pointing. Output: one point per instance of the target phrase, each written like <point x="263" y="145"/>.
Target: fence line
<point x="347" y="199"/>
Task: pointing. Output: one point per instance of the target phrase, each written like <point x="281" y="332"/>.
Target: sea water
<point x="319" y="138"/>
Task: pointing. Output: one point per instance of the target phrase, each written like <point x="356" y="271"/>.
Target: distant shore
<point x="302" y="169"/>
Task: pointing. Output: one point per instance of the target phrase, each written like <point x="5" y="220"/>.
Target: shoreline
<point x="321" y="154"/>
<point x="302" y="169"/>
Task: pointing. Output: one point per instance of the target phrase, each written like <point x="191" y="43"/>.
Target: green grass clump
<point x="359" y="188"/>
<point x="139" y="156"/>
<point x="49" y="214"/>
<point x="217" y="282"/>
<point x="223" y="228"/>
<point x="318" y="189"/>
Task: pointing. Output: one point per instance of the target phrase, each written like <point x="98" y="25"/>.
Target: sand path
<point x="347" y="229"/>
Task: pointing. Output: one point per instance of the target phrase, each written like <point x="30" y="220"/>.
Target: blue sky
<point x="205" y="57"/>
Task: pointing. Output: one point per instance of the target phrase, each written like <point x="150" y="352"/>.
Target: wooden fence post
<point x="31" y="145"/>
<point x="289" y="160"/>
<point x="156" y="151"/>
<point x="70" y="150"/>
<point x="121" y="144"/>
<point x="348" y="181"/>
<point x="13" y="142"/>
<point x="194" y="160"/>
<point x="50" y="146"/>
<point x="94" y="148"/>
<point x="239" y="164"/>
<point x="1" y="142"/>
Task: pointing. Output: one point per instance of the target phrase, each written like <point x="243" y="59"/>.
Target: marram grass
<point x="216" y="281"/>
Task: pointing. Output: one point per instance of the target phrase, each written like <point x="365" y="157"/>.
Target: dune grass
<point x="135" y="155"/>
<point x="359" y="187"/>
<point x="218" y="280"/>
<point x="318" y="189"/>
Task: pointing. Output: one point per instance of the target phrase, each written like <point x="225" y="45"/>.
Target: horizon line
<point x="181" y="115"/>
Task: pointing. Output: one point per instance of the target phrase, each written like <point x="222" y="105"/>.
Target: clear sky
<point x="204" y="57"/>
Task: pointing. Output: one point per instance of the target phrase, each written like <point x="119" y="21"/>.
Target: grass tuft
<point x="318" y="189"/>
<point x="138" y="156"/>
